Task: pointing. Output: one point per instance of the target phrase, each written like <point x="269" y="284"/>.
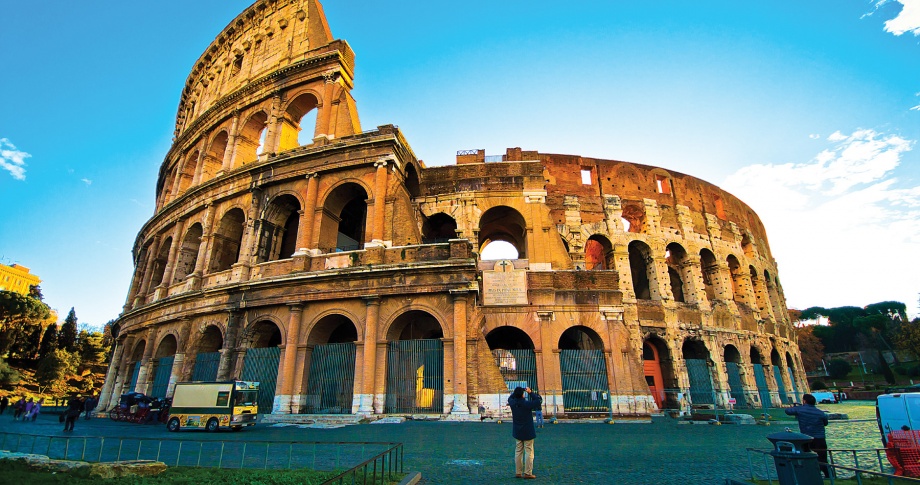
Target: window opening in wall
<point x="307" y="128"/>
<point x="663" y="184"/>
<point x="261" y="141"/>
<point x="496" y="250"/>
<point x="625" y="224"/>
<point x="236" y="66"/>
<point x="586" y="177"/>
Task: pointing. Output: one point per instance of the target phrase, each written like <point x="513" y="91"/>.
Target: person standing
<point x="88" y="406"/>
<point x="538" y="414"/>
<point x="19" y="407"/>
<point x="812" y="422"/>
<point x="523" y="430"/>
<point x="36" y="410"/>
<point x="4" y="402"/>
<point x="27" y="410"/>
<point x="74" y="408"/>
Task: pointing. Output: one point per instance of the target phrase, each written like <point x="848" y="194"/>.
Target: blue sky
<point x="807" y="111"/>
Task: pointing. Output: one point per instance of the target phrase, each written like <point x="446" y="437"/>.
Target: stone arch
<point x="414" y="325"/>
<point x="250" y="140"/>
<point x="699" y="371"/>
<point x="344" y="218"/>
<point x="187" y="257"/>
<point x="299" y="121"/>
<point x="332" y="328"/>
<point x="598" y="253"/>
<point x="709" y="267"/>
<point x="138" y="352"/>
<point x="503" y="223"/>
<point x="279" y="226"/>
<point x="168" y="346"/>
<point x="439" y="227"/>
<point x="693" y="348"/>
<point x="507" y="337"/>
<point x="678" y="270"/>
<point x="159" y="264"/>
<point x="633" y="217"/>
<point x="214" y="157"/>
<point x="747" y="247"/>
<point x="264" y="332"/>
<point x="227" y="241"/>
<point x="187" y="175"/>
<point x="641" y="268"/>
<point x="210" y="340"/>
<point x="737" y="274"/>
<point x="412" y="181"/>
<point x="580" y="337"/>
<point x="659" y="372"/>
<point x="731" y="354"/>
<point x="513" y="351"/>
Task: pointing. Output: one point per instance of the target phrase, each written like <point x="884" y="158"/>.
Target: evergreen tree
<point x="49" y="341"/>
<point x="67" y="339"/>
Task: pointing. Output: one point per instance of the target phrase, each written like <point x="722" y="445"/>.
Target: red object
<point x="903" y="451"/>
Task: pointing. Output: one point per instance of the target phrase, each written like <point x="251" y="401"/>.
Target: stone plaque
<point x="504" y="285"/>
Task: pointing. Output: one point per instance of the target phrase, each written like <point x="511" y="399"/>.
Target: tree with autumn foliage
<point x="811" y="347"/>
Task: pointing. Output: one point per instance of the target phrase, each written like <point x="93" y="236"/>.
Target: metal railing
<point x="319" y="456"/>
<point x="845" y="465"/>
<point x="381" y="468"/>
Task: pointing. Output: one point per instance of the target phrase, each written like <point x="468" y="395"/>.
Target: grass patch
<point x="852" y="481"/>
<point x="20" y="473"/>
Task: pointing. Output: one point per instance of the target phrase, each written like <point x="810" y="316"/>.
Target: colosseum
<point x="292" y="247"/>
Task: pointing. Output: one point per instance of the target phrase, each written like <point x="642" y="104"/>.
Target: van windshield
<point x="245" y="398"/>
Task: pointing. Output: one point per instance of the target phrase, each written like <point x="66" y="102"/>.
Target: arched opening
<point x="344" y="218"/>
<point x="187" y="258"/>
<point x="299" y="122"/>
<point x="439" y="227"/>
<point x="162" y="366"/>
<point x="207" y="356"/>
<point x="760" y="292"/>
<point x="584" y="371"/>
<point x="659" y="373"/>
<point x="415" y="364"/>
<point x="696" y="357"/>
<point x="640" y="263"/>
<point x="514" y="355"/>
<point x="633" y="216"/>
<point x="134" y="366"/>
<point x="676" y="259"/>
<point x="760" y="378"/>
<point x="772" y="296"/>
<point x="227" y="241"/>
<point x="330" y="357"/>
<point x="412" y="183"/>
<point x="261" y="361"/>
<point x="503" y="224"/>
<point x="734" y="267"/>
<point x="278" y="231"/>
<point x="250" y="141"/>
<point x="732" y="360"/>
<point x="598" y="254"/>
<point x="214" y="158"/>
<point x="790" y="367"/>
<point x="747" y="247"/>
<point x="710" y="271"/>
<point x="159" y="264"/>
<point x="777" y="362"/>
<point x="188" y="172"/>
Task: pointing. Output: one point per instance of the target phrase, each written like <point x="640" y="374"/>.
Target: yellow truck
<point x="214" y="405"/>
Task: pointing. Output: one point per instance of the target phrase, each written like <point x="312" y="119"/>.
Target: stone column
<point x="199" y="165"/>
<point x="170" y="270"/>
<point x="111" y="376"/>
<point x="621" y="264"/>
<point x="275" y="122"/>
<point x="121" y="374"/>
<point x="693" y="279"/>
<point x="370" y="355"/>
<point x="460" y="383"/>
<point x="225" y="366"/>
<point x="284" y="401"/>
<point x="141" y="297"/>
<point x="380" y="195"/>
<point x="230" y="151"/>
<point x="146" y="362"/>
<point x="325" y="114"/>
<point x="307" y="218"/>
<point x="175" y="372"/>
<point x="250" y="241"/>
<point x="660" y="288"/>
<point x="204" y="249"/>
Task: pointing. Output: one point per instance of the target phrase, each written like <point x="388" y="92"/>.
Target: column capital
<point x="311" y="175"/>
<point x="371" y="300"/>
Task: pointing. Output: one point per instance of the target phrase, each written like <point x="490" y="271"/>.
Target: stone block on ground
<point x="140" y="468"/>
<point x="390" y="420"/>
<point x="739" y="419"/>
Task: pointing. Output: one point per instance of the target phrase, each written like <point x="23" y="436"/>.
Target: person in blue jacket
<point x="812" y="422"/>
<point x="522" y="429"/>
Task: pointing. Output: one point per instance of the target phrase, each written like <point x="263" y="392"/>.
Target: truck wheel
<point x="212" y="425"/>
<point x="173" y="425"/>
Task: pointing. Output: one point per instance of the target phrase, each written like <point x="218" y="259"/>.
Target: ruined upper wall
<point x="267" y="36"/>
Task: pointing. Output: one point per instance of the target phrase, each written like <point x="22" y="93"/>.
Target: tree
<point x="53" y="369"/>
<point x="93" y="349"/>
<point x="811" y="347"/>
<point x="67" y="339"/>
<point x="49" y="342"/>
<point x="908" y="337"/>
<point x="18" y="313"/>
<point x="838" y="368"/>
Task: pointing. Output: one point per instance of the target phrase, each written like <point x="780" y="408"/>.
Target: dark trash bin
<point x="794" y="465"/>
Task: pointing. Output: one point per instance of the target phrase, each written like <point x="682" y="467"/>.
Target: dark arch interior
<point x="138" y="353"/>
<point x="167" y="347"/>
<point x="265" y="334"/>
<point x="638" y="266"/>
<point x="774" y="358"/>
<point x="211" y="340"/>
<point x="439" y="227"/>
<point x="756" y="358"/>
<point x="503" y="224"/>
<point x="333" y="329"/>
<point x="412" y="185"/>
<point x="694" y="349"/>
<point x="732" y="354"/>
<point x="508" y="338"/>
<point x="580" y="338"/>
<point x="415" y="325"/>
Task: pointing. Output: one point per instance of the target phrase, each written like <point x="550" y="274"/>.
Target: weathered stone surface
<point x="82" y="468"/>
<point x="141" y="468"/>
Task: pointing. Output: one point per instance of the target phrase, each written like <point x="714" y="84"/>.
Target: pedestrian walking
<point x="88" y="407"/>
<point x="812" y="422"/>
<point x="4" y="402"/>
<point x="74" y="408"/>
<point x="36" y="410"/>
<point x="522" y="429"/>
<point x="19" y="407"/>
<point x="27" y="410"/>
<point x="482" y="412"/>
<point x="538" y="414"/>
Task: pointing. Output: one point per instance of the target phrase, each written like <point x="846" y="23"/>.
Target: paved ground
<point x="664" y="452"/>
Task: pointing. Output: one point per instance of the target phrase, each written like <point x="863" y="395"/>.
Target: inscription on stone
<point x="504" y="285"/>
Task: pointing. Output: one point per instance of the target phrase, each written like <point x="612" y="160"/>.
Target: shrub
<point x="838" y="369"/>
<point x="914" y="371"/>
<point x="818" y="385"/>
<point x="9" y="377"/>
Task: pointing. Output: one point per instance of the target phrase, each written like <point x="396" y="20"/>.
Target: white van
<point x="899" y="422"/>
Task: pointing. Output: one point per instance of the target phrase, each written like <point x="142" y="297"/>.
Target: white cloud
<point x="86" y="181"/>
<point x="841" y="226"/>
<point x="907" y="21"/>
<point x="13" y="160"/>
<point x="814" y="136"/>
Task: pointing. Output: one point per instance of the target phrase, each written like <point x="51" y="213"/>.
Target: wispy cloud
<point x="13" y="160"/>
<point x="86" y="181"/>
<point x="842" y="226"/>
<point x="814" y="136"/>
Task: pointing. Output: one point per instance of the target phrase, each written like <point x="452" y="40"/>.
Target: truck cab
<point x="214" y="405"/>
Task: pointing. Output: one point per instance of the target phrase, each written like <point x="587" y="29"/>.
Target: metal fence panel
<point x="735" y="384"/>
<point x="261" y="365"/>
<point x="161" y="378"/>
<point x="135" y="372"/>
<point x="518" y="367"/>
<point x="761" y="378"/>
<point x="584" y="381"/>
<point x="331" y="379"/>
<point x="206" y="365"/>
<point x="780" y="387"/>
<point x="700" y="382"/>
<point x="795" y="389"/>
<point x="415" y="376"/>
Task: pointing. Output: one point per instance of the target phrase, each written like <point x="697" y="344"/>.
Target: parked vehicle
<point x="214" y="405"/>
<point x="898" y="417"/>
<point x="825" y="397"/>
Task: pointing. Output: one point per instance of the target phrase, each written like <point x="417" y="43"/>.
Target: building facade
<point x="331" y="265"/>
<point x="17" y="278"/>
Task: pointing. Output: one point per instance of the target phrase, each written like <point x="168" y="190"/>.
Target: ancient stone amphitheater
<point x="293" y="248"/>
